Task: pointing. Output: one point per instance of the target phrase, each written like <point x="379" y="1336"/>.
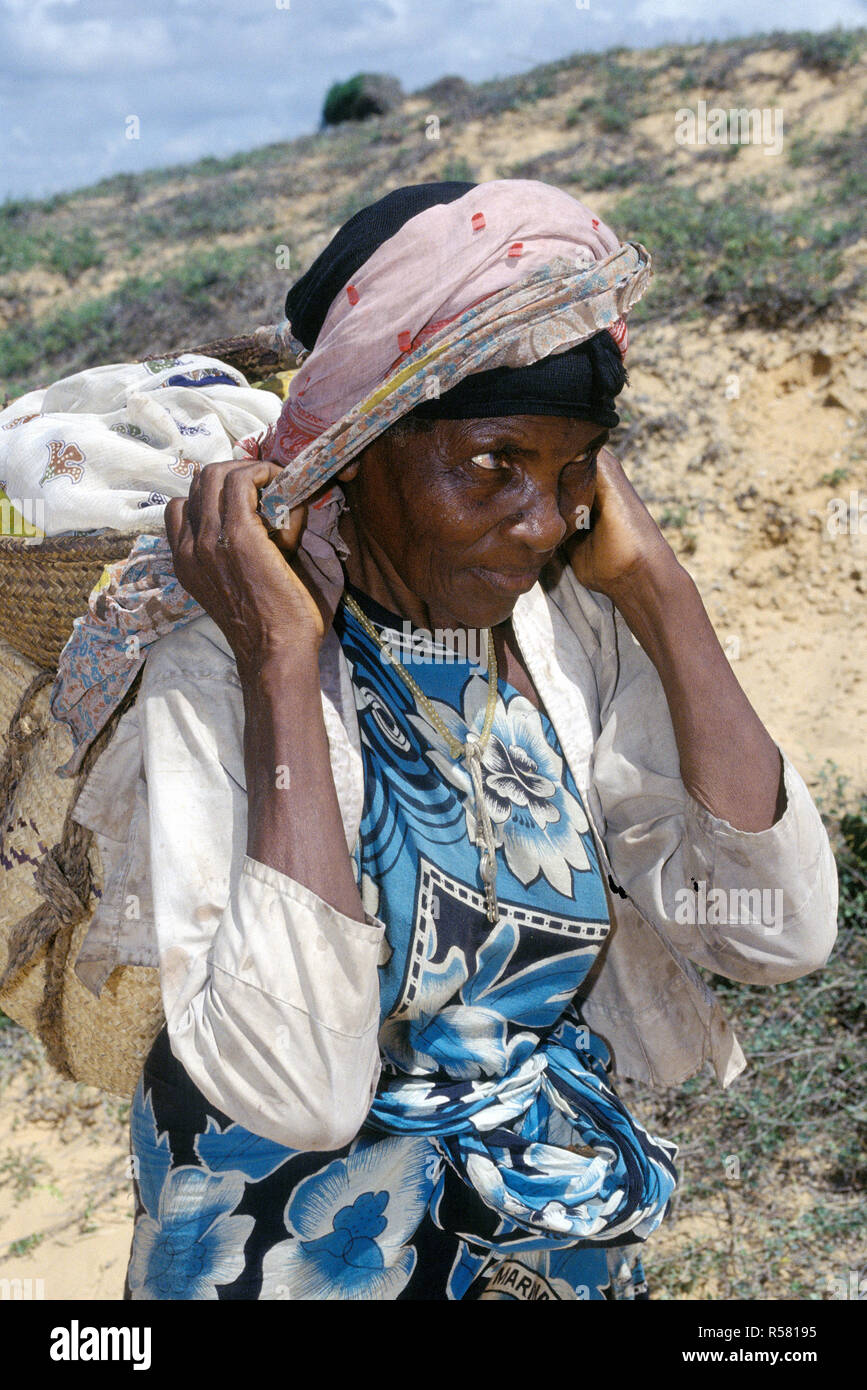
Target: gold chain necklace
<point x="471" y="751"/>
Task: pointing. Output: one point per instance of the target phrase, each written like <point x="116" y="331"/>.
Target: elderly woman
<point x="437" y="790"/>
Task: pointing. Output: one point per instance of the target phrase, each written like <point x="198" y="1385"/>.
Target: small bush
<point x="597" y="176"/>
<point x="612" y="118"/>
<point x="74" y="254"/>
<point x="734" y="253"/>
<point x="832" y="50"/>
<point x="25" y="242"/>
<point x="458" y="171"/>
<point x="366" y="94"/>
<point x="219" y="209"/>
<point x="619" y="103"/>
<point x="18" y="249"/>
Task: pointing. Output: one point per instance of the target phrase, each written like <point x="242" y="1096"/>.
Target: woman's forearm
<point x="728" y="760"/>
<point x="294" y="823"/>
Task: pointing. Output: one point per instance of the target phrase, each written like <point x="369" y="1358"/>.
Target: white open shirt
<point x="272" y="996"/>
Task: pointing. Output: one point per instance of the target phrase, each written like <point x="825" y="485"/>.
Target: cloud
<point x="742" y="16"/>
<point x="64" y="39"/>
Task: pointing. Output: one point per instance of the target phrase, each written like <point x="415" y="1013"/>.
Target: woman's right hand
<point x="238" y="570"/>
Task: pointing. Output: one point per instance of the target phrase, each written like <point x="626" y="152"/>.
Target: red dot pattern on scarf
<point x="478" y="221"/>
<point x="352" y="294"/>
<point x="404" y="341"/>
<point x="515" y="250"/>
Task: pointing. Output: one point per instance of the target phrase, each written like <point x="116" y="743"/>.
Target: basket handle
<point x="268" y="349"/>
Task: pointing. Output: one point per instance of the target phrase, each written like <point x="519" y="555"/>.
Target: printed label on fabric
<point x="513" y="1280"/>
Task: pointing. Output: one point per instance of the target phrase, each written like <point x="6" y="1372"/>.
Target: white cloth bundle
<point x="110" y="445"/>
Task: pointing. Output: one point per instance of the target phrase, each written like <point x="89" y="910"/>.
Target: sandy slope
<point x="64" y="1170"/>
<point x="784" y="588"/>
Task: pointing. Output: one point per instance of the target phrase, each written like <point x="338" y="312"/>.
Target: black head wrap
<point x="580" y="383"/>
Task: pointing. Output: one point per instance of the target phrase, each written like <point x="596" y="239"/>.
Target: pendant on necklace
<point x="484" y="829"/>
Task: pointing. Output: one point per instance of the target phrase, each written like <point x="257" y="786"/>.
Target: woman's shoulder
<point x="196" y="648"/>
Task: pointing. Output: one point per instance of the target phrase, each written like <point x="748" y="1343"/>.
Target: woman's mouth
<point x="507" y="581"/>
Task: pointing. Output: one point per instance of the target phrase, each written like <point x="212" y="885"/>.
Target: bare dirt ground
<point x="65" y="1193"/>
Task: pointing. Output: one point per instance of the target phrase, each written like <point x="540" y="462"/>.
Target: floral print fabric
<point x="496" y="1160"/>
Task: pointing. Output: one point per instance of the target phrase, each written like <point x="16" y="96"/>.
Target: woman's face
<point x="467" y="514"/>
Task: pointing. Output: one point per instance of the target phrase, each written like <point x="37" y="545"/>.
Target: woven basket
<point x="53" y="873"/>
<point x="45" y="585"/>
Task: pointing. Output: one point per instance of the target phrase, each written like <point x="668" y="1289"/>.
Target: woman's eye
<point x="491" y="463"/>
<point x="587" y="461"/>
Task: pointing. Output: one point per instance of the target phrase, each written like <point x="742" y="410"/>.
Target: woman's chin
<point x="483" y="602"/>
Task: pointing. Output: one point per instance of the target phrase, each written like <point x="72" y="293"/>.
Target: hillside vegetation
<point x="144" y="263"/>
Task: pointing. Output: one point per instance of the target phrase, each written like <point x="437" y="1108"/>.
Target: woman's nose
<point x="539" y="523"/>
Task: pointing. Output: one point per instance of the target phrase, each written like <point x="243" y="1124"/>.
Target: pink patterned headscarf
<point x="442" y="262"/>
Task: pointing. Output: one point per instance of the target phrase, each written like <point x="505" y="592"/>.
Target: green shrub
<point x="365" y="94"/>
<point x="733" y="252"/>
<point x="619" y="103"/>
<point x="25" y="241"/>
<point x="458" y="171"/>
<point x="18" y="250"/>
<point x="832" y="50"/>
<point x="598" y="176"/>
<point x="221" y="208"/>
<point x="72" y="255"/>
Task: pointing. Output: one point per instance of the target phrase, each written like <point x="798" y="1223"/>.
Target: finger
<point x="180" y="537"/>
<point x="195" y="501"/>
<point x="204" y="496"/>
<point x="207" y="503"/>
<point x="174" y="519"/>
<point x="288" y="536"/>
<point x="240" y="496"/>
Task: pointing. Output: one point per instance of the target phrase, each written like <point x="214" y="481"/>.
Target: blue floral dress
<point x="496" y="1160"/>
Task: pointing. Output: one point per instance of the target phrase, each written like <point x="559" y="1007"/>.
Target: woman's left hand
<point x="728" y="760"/>
<point x="624" y="542"/>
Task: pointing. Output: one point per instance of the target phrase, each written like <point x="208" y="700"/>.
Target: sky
<point x="219" y="76"/>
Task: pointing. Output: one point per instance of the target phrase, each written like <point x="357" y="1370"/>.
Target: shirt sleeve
<point x="271" y="995"/>
<point x="758" y="907"/>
